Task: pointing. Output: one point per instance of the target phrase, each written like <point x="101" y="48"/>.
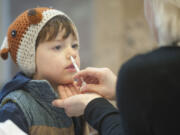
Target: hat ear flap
<point x="4" y="49"/>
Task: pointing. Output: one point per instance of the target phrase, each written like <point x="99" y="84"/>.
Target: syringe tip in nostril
<point x="74" y="63"/>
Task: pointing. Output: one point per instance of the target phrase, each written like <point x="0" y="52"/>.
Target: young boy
<point x="40" y="41"/>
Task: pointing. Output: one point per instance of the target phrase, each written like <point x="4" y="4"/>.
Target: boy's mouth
<point x="70" y="67"/>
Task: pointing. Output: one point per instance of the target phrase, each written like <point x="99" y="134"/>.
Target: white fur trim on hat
<point x="4" y="44"/>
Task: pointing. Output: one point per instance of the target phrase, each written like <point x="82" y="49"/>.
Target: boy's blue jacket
<point x="16" y="83"/>
<point x="12" y="111"/>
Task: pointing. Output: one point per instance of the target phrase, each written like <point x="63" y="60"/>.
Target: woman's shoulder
<point x="155" y="58"/>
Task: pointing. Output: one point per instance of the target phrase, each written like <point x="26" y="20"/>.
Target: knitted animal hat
<point x="22" y="34"/>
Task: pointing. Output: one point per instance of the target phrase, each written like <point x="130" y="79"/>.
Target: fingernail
<point x="53" y="103"/>
<point x="82" y="88"/>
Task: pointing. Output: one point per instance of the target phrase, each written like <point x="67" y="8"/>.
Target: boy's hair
<point x="31" y="28"/>
<point x="53" y="27"/>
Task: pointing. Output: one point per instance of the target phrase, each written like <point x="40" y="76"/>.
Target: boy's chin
<point x="68" y="81"/>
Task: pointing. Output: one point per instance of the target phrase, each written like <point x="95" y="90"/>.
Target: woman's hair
<point x="54" y="26"/>
<point x="167" y="21"/>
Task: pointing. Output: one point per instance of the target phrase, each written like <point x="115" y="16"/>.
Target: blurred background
<point x="111" y="31"/>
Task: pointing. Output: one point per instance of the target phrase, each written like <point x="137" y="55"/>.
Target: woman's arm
<point x="104" y="117"/>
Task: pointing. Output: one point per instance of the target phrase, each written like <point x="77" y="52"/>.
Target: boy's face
<point x="53" y="61"/>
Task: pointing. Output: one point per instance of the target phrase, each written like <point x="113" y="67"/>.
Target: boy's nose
<point x="71" y="53"/>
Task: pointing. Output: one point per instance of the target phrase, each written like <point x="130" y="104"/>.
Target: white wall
<point x="4" y="23"/>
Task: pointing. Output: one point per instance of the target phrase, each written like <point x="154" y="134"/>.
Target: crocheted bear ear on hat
<point x="34" y="16"/>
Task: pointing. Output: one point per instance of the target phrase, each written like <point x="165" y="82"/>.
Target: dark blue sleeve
<point x="14" y="113"/>
<point x="104" y="117"/>
<point x="79" y="123"/>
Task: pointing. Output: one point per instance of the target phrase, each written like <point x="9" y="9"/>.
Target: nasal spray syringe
<point x="77" y="70"/>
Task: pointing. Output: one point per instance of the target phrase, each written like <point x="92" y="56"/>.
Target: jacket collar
<point x="41" y="89"/>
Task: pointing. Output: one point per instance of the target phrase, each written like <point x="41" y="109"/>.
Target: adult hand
<point x="75" y="105"/>
<point x="98" y="80"/>
<point x="68" y="90"/>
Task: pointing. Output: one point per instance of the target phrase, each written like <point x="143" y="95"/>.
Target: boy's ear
<point x="34" y="16"/>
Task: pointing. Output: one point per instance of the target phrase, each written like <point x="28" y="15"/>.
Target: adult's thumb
<point x="58" y="103"/>
<point x="91" y="88"/>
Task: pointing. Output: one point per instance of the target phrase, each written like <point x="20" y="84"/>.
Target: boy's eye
<point x="58" y="47"/>
<point x="75" y="46"/>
